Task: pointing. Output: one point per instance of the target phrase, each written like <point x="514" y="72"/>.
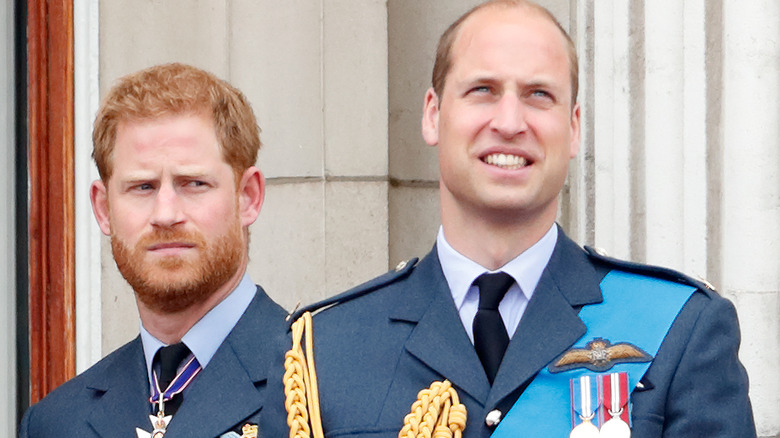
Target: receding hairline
<point x="453" y="33"/>
<point x="533" y="8"/>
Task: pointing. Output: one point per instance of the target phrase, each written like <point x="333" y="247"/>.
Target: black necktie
<point x="170" y="358"/>
<point x="490" y="335"/>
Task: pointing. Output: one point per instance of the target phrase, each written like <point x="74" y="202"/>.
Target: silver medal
<point x="615" y="428"/>
<point x="159" y="424"/>
<point x="586" y="429"/>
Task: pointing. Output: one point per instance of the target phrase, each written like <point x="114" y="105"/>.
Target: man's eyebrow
<point x="137" y="177"/>
<point x="192" y="173"/>
<point x="483" y="78"/>
<point x="533" y="83"/>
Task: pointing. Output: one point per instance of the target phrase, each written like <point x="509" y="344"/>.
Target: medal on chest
<point x="584" y="404"/>
<point x="159" y="398"/>
<point x="614" y="403"/>
<point x="600" y="406"/>
<point x="159" y="424"/>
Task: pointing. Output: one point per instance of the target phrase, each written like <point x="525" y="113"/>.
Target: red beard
<point x="174" y="283"/>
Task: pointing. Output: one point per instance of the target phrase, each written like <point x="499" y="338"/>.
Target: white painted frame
<point x="7" y="227"/>
<point x="88" y="263"/>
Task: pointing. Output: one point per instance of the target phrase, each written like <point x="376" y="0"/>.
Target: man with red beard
<point x="176" y="149"/>
<point x="508" y="328"/>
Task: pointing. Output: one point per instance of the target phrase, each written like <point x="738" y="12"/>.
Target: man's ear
<point x="98" y="195"/>
<point x="251" y="194"/>
<point x="430" y="118"/>
<point x="574" y="148"/>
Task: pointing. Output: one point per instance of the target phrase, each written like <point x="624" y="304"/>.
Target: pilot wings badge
<point x="599" y="355"/>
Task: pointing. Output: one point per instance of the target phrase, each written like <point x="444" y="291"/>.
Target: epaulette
<point x="668" y="274"/>
<point x="402" y="270"/>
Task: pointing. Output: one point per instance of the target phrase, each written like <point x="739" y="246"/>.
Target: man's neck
<point x="493" y="243"/>
<point x="171" y="327"/>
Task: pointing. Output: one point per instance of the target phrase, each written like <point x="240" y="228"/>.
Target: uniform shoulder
<point x="401" y="271"/>
<point x="600" y="258"/>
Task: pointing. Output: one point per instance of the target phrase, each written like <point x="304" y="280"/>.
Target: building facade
<point x="679" y="164"/>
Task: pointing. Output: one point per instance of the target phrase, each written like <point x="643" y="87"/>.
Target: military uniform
<point x="380" y="343"/>
<point x="111" y="398"/>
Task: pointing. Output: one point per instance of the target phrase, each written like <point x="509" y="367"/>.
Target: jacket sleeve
<point x="708" y="393"/>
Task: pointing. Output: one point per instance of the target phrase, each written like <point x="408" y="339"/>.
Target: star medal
<point x="180" y="382"/>
<point x="159" y="424"/>
<point x="614" y="400"/>
<point x="583" y="397"/>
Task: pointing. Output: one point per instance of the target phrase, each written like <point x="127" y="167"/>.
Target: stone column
<point x="679" y="163"/>
<point x="643" y="165"/>
<point x="750" y="234"/>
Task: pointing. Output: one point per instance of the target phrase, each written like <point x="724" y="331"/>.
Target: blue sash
<point x="637" y="310"/>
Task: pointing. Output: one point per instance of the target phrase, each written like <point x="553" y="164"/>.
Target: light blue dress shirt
<point x="205" y="337"/>
<point x="526" y="269"/>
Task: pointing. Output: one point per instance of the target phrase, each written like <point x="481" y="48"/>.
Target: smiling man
<point x="507" y="326"/>
<point x="176" y="149"/>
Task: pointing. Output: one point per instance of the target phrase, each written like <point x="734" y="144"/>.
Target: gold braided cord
<point x="300" y="383"/>
<point x="437" y="413"/>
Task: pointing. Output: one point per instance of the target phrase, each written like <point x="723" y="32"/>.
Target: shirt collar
<point x="526" y="268"/>
<point x="205" y="337"/>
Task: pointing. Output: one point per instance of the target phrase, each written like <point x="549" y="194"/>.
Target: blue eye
<point x="197" y="184"/>
<point x="541" y="98"/>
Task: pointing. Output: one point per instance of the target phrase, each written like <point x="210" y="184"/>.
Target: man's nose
<point x="167" y="210"/>
<point x="509" y="118"/>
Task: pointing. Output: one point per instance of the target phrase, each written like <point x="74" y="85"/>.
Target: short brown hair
<point x="171" y="89"/>
<point x="443" y="62"/>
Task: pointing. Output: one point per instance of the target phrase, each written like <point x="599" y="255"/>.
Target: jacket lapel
<point x="229" y="389"/>
<point x="121" y="391"/>
<point x="221" y="397"/>
<point x="550" y="323"/>
<point x="438" y="339"/>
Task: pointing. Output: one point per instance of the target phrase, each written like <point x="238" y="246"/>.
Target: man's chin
<point x="171" y="298"/>
<point x="171" y="291"/>
<point x="169" y="264"/>
<point x="181" y="277"/>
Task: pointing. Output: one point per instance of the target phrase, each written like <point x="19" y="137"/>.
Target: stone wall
<point x="679" y="164"/>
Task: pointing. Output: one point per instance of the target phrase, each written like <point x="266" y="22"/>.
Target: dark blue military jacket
<point x="111" y="398"/>
<point x="379" y="344"/>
